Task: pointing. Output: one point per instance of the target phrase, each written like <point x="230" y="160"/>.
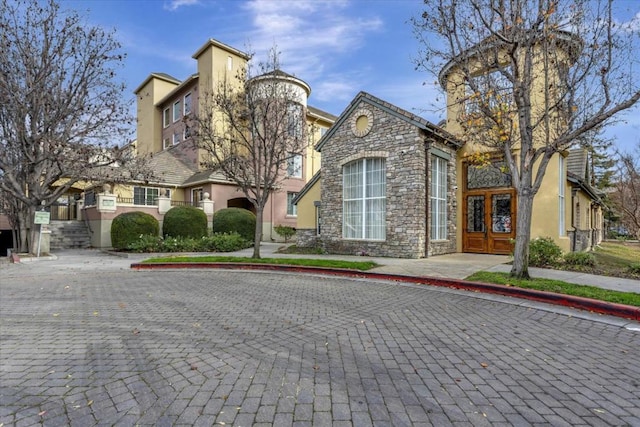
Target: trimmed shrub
<point x="580" y="258"/>
<point x="543" y="251"/>
<point x="235" y="220"/>
<point x="285" y="231"/>
<point x="128" y="227"/>
<point x="185" y="221"/>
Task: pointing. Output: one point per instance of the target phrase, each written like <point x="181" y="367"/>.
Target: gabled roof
<point x="169" y="169"/>
<point x="316" y="112"/>
<point x="162" y="76"/>
<point x="220" y="45"/>
<point x="315" y="178"/>
<point x="393" y="110"/>
<point x="577" y="163"/>
<point x="206" y="176"/>
<point x="578" y="172"/>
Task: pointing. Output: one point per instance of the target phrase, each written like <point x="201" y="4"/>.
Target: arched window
<point x="364" y="199"/>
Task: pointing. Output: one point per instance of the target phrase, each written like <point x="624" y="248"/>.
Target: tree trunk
<point x="520" y="267"/>
<point x="258" y="235"/>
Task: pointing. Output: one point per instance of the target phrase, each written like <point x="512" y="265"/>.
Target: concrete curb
<point x="596" y="306"/>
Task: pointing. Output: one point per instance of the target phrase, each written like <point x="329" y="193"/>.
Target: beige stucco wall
<point x="149" y="117"/>
<point x="306" y="207"/>
<point x="545" y="216"/>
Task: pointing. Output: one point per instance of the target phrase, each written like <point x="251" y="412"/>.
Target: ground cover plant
<point x="217" y="242"/>
<point x="558" y="287"/>
<point x="327" y="263"/>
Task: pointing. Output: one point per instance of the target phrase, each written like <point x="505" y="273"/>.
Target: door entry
<point x="489" y="222"/>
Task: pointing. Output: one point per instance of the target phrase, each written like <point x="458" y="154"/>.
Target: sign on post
<point x="42" y="217"/>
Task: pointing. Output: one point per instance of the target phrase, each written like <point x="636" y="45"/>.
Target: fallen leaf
<point x="56" y="314"/>
<point x="600" y="411"/>
<point x="135" y="331"/>
<point x="42" y="413"/>
<point x="122" y="305"/>
<point x="484" y="365"/>
<point x="95" y="313"/>
<point x="89" y="403"/>
<point x="194" y="368"/>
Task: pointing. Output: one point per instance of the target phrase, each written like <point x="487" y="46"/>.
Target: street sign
<point x="42" y="217"/>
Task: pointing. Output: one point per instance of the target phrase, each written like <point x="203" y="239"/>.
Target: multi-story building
<point x="164" y="105"/>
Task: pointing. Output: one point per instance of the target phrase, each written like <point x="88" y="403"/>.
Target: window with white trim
<point x="438" y="198"/>
<point x="187" y="133"/>
<point x="145" y="196"/>
<point x="562" y="229"/>
<point x="187" y="103"/>
<point x="364" y="199"/>
<point x="166" y="118"/>
<point x="166" y="143"/>
<point x="176" y="138"/>
<point x="292" y="210"/>
<point x="176" y="111"/>
<point x="294" y="166"/>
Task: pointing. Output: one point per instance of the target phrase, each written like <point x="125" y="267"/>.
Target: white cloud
<point x="175" y="4"/>
<point x="307" y="32"/>
<point x="632" y="25"/>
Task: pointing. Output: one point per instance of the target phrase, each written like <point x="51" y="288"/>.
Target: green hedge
<point x="235" y="220"/>
<point x="128" y="227"/>
<point x="185" y="221"/>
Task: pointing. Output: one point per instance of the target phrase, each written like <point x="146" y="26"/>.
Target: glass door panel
<point x="501" y="213"/>
<point x="475" y="214"/>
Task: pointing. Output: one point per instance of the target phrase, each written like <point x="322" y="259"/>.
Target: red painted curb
<point x="596" y="306"/>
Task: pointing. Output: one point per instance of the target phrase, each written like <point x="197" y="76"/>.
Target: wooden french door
<point x="489" y="221"/>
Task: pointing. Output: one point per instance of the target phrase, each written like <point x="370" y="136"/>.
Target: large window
<point x="145" y="196"/>
<point x="562" y="229"/>
<point x="292" y="209"/>
<point x="294" y="166"/>
<point x="364" y="199"/>
<point x="438" y="198"/>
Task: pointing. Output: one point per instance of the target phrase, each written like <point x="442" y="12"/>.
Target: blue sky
<point x="339" y="47"/>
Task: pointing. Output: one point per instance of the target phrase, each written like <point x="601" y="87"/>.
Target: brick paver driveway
<point x="248" y="348"/>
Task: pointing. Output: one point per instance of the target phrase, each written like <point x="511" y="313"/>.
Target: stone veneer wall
<point x="403" y="147"/>
<point x="439" y="247"/>
<point x="307" y="238"/>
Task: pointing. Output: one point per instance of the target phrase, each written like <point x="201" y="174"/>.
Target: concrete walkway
<point x="460" y="266"/>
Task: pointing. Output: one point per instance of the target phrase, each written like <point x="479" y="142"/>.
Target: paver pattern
<point x="255" y="348"/>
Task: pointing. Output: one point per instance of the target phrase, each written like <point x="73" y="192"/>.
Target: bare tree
<point x="61" y="108"/>
<point x="251" y="126"/>
<point x="535" y="76"/>
<point x="625" y="196"/>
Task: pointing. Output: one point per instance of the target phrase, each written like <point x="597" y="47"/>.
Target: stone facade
<point x="371" y="128"/>
<point x="307" y="238"/>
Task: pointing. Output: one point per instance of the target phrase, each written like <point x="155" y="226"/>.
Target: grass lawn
<point x="558" y="287"/>
<point x="328" y="263"/>
<point x="615" y="258"/>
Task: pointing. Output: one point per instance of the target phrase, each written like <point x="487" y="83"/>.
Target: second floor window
<point x="187" y="103"/>
<point x="176" y="111"/>
<point x="166" y="118"/>
<point x="492" y="89"/>
<point x="291" y="208"/>
<point x="294" y="166"/>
